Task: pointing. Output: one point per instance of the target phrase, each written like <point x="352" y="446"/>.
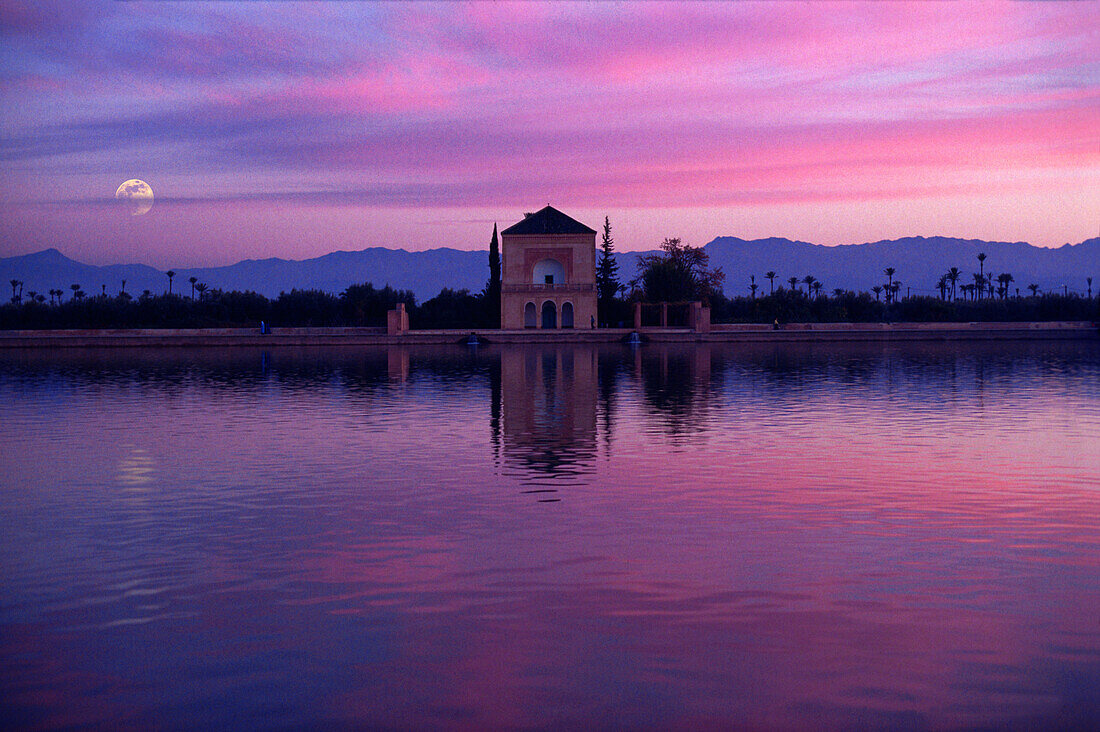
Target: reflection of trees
<point x="675" y="383"/>
<point x="361" y="372"/>
<point x="610" y="365"/>
<point x="926" y="370"/>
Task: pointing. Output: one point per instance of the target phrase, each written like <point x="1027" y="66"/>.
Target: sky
<point x="294" y="129"/>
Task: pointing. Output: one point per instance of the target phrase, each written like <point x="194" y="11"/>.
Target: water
<point x="766" y="536"/>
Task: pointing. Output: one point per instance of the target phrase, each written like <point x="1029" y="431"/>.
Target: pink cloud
<point x="483" y="104"/>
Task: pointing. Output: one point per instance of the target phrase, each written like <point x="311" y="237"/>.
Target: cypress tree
<point x="492" y="290"/>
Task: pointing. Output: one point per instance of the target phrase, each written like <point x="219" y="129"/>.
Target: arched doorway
<point x="567" y="315"/>
<point x="529" y="316"/>
<point x="549" y="315"/>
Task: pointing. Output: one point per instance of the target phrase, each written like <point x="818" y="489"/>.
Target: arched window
<point x="549" y="315"/>
<point x="529" y="316"/>
<point x="548" y="272"/>
<point x="567" y="315"/>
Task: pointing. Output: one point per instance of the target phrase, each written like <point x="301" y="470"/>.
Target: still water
<point x="664" y="537"/>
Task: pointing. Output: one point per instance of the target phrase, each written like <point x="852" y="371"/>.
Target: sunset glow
<point x="292" y="130"/>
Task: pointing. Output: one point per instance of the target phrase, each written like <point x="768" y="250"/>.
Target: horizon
<point x="486" y="250"/>
<point x="291" y="131"/>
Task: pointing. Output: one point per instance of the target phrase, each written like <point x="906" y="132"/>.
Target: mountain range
<point x="918" y="262"/>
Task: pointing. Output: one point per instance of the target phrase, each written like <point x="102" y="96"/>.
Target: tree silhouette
<point x="192" y="280"/>
<point x="942" y="284"/>
<point x="1034" y="289"/>
<point x="771" y="280"/>
<point x="607" y="272"/>
<point x="123" y="290"/>
<point x="677" y="273"/>
<point x="809" y="282"/>
<point x="953" y="275"/>
<point x="817" y="288"/>
<point x="170" y="274"/>
<point x="1005" y="278"/>
<point x="1089" y="281"/>
<point x="877" y="289"/>
<point x="981" y="264"/>
<point x="889" y="272"/>
<point x="793" y="281"/>
<point x="492" y="289"/>
<point x="200" y="288"/>
<point x="14" y="284"/>
<point x="837" y="292"/>
<point x="752" y="285"/>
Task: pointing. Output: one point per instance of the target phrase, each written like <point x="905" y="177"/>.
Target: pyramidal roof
<point x="548" y="221"/>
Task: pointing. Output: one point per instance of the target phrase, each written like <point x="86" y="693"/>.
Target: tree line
<point x="677" y="272"/>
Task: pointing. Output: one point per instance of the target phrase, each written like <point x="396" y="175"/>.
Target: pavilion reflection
<point x="546" y="415"/>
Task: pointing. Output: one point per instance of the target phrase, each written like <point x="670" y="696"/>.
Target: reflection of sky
<point x="851" y="536"/>
<point x="403" y="124"/>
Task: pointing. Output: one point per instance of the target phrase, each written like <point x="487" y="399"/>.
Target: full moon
<point x="137" y="195"/>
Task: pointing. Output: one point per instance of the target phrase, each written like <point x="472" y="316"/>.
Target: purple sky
<point x="287" y="129"/>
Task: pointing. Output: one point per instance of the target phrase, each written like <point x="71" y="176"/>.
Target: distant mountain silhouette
<point x="918" y="261"/>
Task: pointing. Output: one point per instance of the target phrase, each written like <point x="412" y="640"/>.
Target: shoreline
<point x="719" y="333"/>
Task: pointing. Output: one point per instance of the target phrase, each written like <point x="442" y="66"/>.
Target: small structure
<point x="397" y="320"/>
<point x="548" y="272"/>
<point x="696" y="316"/>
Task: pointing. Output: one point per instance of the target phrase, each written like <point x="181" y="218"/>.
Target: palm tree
<point x="171" y="274"/>
<point x="876" y="289"/>
<point x="838" y="292"/>
<point x="40" y="298"/>
<point x="809" y="280"/>
<point x="752" y="285"/>
<point x="104" y="290"/>
<point x="1005" y="278"/>
<point x="14" y="284"/>
<point x="953" y="275"/>
<point x="1034" y="289"/>
<point x="771" y="279"/>
<point x="201" y="287"/>
<point x="889" y="272"/>
<point x="979" y="285"/>
<point x="894" y="290"/>
<point x="817" y="288"/>
<point x="942" y="284"/>
<point x="1089" y="280"/>
<point x="981" y="263"/>
<point x="78" y="294"/>
<point x="192" y="280"/>
<point x="75" y="288"/>
<point x="123" y="290"/>
<point x="794" y="284"/>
